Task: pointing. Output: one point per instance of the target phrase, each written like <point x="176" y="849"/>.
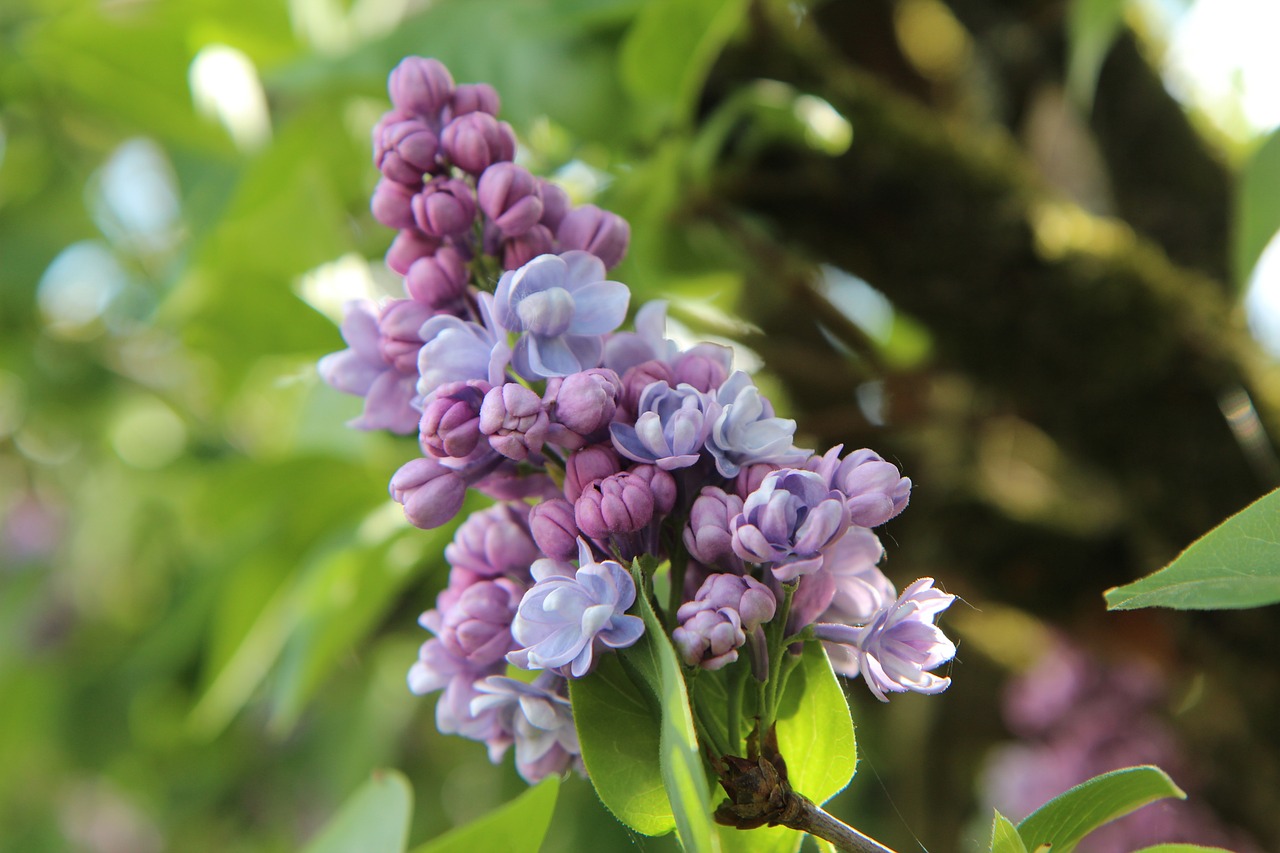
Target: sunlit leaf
<point x="1257" y="209"/>
<point x="1067" y="818"/>
<point x="1092" y="27"/>
<point x="1237" y="564"/>
<point x="681" y="762"/>
<point x="375" y="819"/>
<point x="517" y="827"/>
<point x="1004" y="836"/>
<point x="619" y="731"/>
<point x="669" y="50"/>
<point x="1181" y="848"/>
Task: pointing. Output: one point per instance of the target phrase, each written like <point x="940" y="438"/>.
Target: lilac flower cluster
<point x="600" y="445"/>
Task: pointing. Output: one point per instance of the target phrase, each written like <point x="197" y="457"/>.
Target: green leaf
<point x="1067" y="818"/>
<point x="375" y="819"/>
<point x="1092" y="27"/>
<point x="1004" y="836"/>
<point x="669" y="50"/>
<point x="681" y="762"/>
<point x="517" y="827"/>
<point x="1257" y="213"/>
<point x="1237" y="564"/>
<point x="618" y="729"/>
<point x="1181" y="848"/>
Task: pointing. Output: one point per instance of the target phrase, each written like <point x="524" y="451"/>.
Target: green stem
<point x="735" y="707"/>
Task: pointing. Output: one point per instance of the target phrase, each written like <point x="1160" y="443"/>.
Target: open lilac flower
<point x="746" y="432"/>
<point x="456" y="350"/>
<point x="566" y="616"/>
<point x="539" y="719"/>
<point x="563" y="306"/>
<point x="437" y="668"/>
<point x="380" y="364"/>
<point x="671" y="427"/>
<point x="874" y="490"/>
<point x="861" y="589"/>
<point x="895" y="651"/>
<point x="476" y="627"/>
<point x="788" y="522"/>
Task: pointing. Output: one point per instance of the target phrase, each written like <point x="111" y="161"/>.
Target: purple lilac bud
<point x="511" y="197"/>
<point x="438" y="280"/>
<point x="474" y="98"/>
<point x="874" y="489"/>
<point x="514" y="419"/>
<point x="408" y="246"/>
<point x="507" y="482"/>
<point x="671" y="428"/>
<point x="420" y="86"/>
<point x="456" y="350"/>
<point x="431" y="493"/>
<point x="750" y="478"/>
<point x="788" y="522"/>
<point x="895" y="650"/>
<point x="364" y="368"/>
<point x="450" y="425"/>
<point x="475" y="141"/>
<point x="477" y="627"/>
<point x="637" y="379"/>
<point x="709" y="638"/>
<point x="589" y="465"/>
<point x="520" y="250"/>
<point x="398" y="340"/>
<point x="661" y="483"/>
<point x="747" y="433"/>
<point x="563" y="306"/>
<point x="613" y="506"/>
<point x="392" y="204"/>
<point x="494" y="542"/>
<point x="705" y="366"/>
<point x="555" y="204"/>
<point x="707" y="536"/>
<point x="754" y="602"/>
<point x="597" y="231"/>
<point x="405" y="150"/>
<point x="585" y="402"/>
<point x="444" y="208"/>
<point x="554" y="528"/>
<point x="540" y="719"/>
<point x="568" y="616"/>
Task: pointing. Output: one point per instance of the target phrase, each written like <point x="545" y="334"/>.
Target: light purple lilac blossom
<point x="896" y="649"/>
<point x="562" y="306"/>
<point x="568" y="616"/>
<point x="788" y="522"/>
<point x="745" y="431"/>
<point x="539" y="719"/>
<point x="671" y="427"/>
<point x="456" y="350"/>
<point x="716" y="623"/>
<point x="380" y="363"/>
<point x="874" y="490"/>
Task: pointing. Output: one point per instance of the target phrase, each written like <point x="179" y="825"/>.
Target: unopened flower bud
<point x="705" y="366"/>
<point x="444" y="208"/>
<point x="408" y="246"/>
<point x="405" y="151"/>
<point x="475" y="141"/>
<point x="640" y="377"/>
<point x="555" y="204"/>
<point x="392" y="204"/>
<point x="511" y="197"/>
<point x="597" y="231"/>
<point x="518" y="251"/>
<point x="615" y="505"/>
<point x="477" y="627"/>
<point x="398" y="340"/>
<point x="587" y="466"/>
<point x="439" y="280"/>
<point x="710" y="638"/>
<point x="514" y="419"/>
<point x="708" y="536"/>
<point x="554" y="528"/>
<point x="661" y="483"/>
<point x="420" y="86"/>
<point x="753" y="601"/>
<point x="474" y="98"/>
<point x="585" y="402"/>
<point x="431" y="493"/>
<point x="450" y="425"/>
